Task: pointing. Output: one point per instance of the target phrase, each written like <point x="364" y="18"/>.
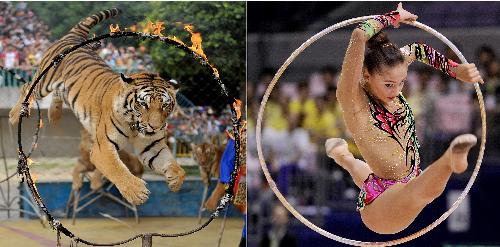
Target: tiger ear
<point x="128" y="80"/>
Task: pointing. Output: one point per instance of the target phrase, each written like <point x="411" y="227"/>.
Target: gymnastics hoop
<point x="23" y="167"/>
<point x="299" y="216"/>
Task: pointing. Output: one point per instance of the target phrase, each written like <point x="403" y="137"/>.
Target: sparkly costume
<point x="392" y="133"/>
<point x="426" y="54"/>
<point x="373" y="26"/>
<point x="399" y="126"/>
<point x="375" y="186"/>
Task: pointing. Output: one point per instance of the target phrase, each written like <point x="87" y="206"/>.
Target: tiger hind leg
<point x="15" y="112"/>
<point x="40" y="91"/>
<point x="55" y="109"/>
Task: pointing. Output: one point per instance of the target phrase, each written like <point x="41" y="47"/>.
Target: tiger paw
<point x="133" y="190"/>
<point x="95" y="183"/>
<point x="175" y="176"/>
<point x="77" y="183"/>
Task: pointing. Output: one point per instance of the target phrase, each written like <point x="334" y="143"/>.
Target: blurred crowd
<point x="198" y="123"/>
<point x="23" y="36"/>
<point x="300" y="116"/>
<point x="24" y="39"/>
<point x="126" y="59"/>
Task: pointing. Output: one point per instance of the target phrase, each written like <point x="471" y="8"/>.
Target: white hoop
<point x="301" y="218"/>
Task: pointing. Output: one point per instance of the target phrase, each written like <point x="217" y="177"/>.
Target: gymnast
<point x="394" y="190"/>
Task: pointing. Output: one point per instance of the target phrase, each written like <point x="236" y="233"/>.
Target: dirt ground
<point x="31" y="233"/>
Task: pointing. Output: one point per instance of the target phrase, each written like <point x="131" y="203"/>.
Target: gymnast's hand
<point x="467" y="72"/>
<point x="404" y="15"/>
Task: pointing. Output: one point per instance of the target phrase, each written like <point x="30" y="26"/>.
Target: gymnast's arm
<point x="349" y="90"/>
<point x="348" y="87"/>
<point x="428" y="55"/>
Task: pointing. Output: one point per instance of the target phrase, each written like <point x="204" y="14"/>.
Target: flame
<point x="216" y="72"/>
<point x="31" y="99"/>
<point x="158" y="27"/>
<point x="114" y="29"/>
<point x="237" y="108"/>
<point x="41" y="123"/>
<point x="195" y="41"/>
<point x="172" y="37"/>
<point x="94" y="36"/>
<point x="29" y="161"/>
<point x="149" y="27"/>
<point x="189" y="28"/>
<point x="35" y="178"/>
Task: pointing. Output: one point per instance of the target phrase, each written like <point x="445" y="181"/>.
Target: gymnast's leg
<point x="399" y="205"/>
<point x="336" y="148"/>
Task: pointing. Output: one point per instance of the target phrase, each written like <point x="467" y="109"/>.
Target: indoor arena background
<point x="293" y="144"/>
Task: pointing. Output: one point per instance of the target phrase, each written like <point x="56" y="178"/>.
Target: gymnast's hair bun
<point x="381" y="52"/>
<point x="378" y="40"/>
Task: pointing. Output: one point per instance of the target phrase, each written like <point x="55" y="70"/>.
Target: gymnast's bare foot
<point x="337" y="148"/>
<point x="459" y="149"/>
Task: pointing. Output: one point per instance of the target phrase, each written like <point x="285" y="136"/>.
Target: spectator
<point x="485" y="56"/>
<point x="305" y="105"/>
<point x="278" y="235"/>
<point x="10" y="58"/>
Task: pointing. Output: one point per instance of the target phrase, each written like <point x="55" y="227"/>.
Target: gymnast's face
<point x="387" y="82"/>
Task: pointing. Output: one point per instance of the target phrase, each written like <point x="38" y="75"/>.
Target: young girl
<point x="393" y="188"/>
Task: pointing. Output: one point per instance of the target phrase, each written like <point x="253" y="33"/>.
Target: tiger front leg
<point x="105" y="157"/>
<point x="157" y="155"/>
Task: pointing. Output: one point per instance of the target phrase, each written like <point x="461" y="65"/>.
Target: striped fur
<point x="113" y="108"/>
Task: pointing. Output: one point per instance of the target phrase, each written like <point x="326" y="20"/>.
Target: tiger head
<point x="203" y="153"/>
<point x="149" y="100"/>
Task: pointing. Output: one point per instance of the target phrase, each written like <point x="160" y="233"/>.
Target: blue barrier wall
<point x="161" y="202"/>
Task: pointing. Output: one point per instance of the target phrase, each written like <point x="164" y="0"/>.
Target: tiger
<point x="115" y="109"/>
<point x="208" y="155"/>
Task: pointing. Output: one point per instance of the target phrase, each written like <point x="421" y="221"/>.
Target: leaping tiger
<point x="115" y="109"/>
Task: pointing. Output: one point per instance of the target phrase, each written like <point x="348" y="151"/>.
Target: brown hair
<point x="381" y="52"/>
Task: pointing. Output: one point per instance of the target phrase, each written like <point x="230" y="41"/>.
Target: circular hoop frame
<point x="23" y="167"/>
<point x="301" y="218"/>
